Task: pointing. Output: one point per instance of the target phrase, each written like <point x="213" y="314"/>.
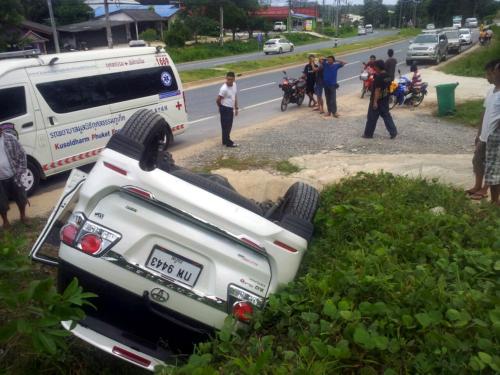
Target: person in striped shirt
<point x="416" y="80"/>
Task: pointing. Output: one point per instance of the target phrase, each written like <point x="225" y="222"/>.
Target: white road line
<point x="201" y="119"/>
<point x="352" y="63"/>
<point x="256" y="87"/>
<point x="262" y="103"/>
<point x="398" y="50"/>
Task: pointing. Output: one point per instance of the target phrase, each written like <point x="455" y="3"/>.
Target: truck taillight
<point x="243" y="311"/>
<point x="87" y="236"/>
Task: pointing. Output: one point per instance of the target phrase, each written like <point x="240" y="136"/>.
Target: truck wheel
<point x="147" y="135"/>
<point x="31" y="178"/>
<point x="297" y="210"/>
<point x="218" y="189"/>
<point x="280" y="51"/>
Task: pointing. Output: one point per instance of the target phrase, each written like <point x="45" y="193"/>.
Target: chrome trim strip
<point x="121" y="262"/>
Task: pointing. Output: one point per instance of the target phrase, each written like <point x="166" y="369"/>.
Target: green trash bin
<point x="446" y="98"/>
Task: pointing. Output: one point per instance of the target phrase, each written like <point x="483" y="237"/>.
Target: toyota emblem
<point x="159" y="295"/>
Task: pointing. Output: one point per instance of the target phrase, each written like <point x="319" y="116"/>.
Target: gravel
<point x="309" y="133"/>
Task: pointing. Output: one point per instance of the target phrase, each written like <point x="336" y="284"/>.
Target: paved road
<point x="261" y="56"/>
<point x="260" y="96"/>
<point x="260" y="99"/>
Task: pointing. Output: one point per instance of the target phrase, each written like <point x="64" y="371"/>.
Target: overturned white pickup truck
<point x="166" y="250"/>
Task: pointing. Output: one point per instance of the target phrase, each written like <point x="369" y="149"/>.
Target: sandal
<point x="478" y="196"/>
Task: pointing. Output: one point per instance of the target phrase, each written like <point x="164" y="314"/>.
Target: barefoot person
<point x="330" y="68"/>
<point x="492" y="125"/>
<point x="480" y="190"/>
<point x="309" y="74"/>
<point x="12" y="167"/>
<point x="227" y="101"/>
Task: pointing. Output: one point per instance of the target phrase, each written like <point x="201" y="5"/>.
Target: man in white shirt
<point x="227" y="101"/>
<point x="491" y="135"/>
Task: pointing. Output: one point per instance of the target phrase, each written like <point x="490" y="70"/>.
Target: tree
<point x="149" y="35"/>
<point x="71" y="11"/>
<point x="201" y="25"/>
<point x="374" y="12"/>
<point x="10" y="17"/>
<point x="35" y="10"/>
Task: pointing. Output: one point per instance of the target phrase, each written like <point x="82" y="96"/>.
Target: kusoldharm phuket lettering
<point x="80" y="128"/>
<point x="73" y="142"/>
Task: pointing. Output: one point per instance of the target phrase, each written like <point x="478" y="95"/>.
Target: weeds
<point x="468" y="113"/>
<point x="387" y="287"/>
<point x="286" y="167"/>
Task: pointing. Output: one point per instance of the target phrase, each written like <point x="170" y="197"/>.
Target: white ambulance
<point x="65" y="107"/>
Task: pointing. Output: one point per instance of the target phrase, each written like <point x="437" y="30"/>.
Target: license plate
<point x="174" y="266"/>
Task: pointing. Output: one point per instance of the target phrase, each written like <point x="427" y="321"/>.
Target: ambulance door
<point x="76" y="113"/>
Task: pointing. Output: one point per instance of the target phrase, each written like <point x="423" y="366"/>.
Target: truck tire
<point x="31" y="178"/>
<point x="217" y="189"/>
<point x="144" y="137"/>
<point x="297" y="210"/>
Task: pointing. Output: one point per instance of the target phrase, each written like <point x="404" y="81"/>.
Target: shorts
<point x="310" y="87"/>
<point x="492" y="172"/>
<point x="9" y="189"/>
<point x="479" y="158"/>
<point x="318" y="90"/>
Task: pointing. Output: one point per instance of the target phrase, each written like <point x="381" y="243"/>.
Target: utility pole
<point x="401" y="4"/>
<point x="221" y="22"/>
<point x="109" y="36"/>
<point x="289" y="21"/>
<point x="53" y="24"/>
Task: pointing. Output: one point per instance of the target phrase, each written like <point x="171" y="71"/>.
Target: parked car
<point x="430" y="26"/>
<point x="279" y="26"/>
<point x="278" y="46"/>
<point x="361" y="30"/>
<point x="369" y="28"/>
<point x="170" y="253"/>
<point x="465" y="36"/>
<point x="471" y="22"/>
<point x="453" y="36"/>
<point x="428" y="47"/>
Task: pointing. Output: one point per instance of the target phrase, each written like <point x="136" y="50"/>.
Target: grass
<point x="390" y="285"/>
<point x="468" y="113"/>
<point x="472" y="64"/>
<point x="288" y="59"/>
<point x="249" y="163"/>
<point x="203" y="51"/>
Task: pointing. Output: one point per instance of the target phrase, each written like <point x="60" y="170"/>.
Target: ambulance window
<point x="135" y="84"/>
<point x="12" y="103"/>
<point x="73" y="94"/>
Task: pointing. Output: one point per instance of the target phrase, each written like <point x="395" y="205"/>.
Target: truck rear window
<point x="12" y="103"/>
<point x="76" y="94"/>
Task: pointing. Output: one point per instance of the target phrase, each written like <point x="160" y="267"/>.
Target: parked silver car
<point x="425" y="47"/>
<point x="453" y="37"/>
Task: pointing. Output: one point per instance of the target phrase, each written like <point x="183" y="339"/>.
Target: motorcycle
<point x="406" y="94"/>
<point x="294" y="91"/>
<point x="367" y="76"/>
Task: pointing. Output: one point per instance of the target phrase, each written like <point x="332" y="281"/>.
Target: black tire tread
<point x="140" y="125"/>
<point x="302" y="201"/>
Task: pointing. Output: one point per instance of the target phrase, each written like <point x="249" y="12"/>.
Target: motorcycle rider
<point x="416" y="80"/>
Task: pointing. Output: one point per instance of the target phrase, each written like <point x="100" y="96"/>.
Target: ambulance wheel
<point x="151" y="131"/>
<point x="31" y="178"/>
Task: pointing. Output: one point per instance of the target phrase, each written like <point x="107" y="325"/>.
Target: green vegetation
<point x="472" y="64"/>
<point x="286" y="167"/>
<point x="31" y="309"/>
<point x="468" y="113"/>
<point x="205" y="51"/>
<point x="149" y="35"/>
<point x="409" y="32"/>
<point x="237" y="164"/>
<point x="344" y="32"/>
<point x="281" y="60"/>
<point x="401" y="278"/>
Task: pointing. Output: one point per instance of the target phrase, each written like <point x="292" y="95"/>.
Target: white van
<point x="369" y="28"/>
<point x="66" y="106"/>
